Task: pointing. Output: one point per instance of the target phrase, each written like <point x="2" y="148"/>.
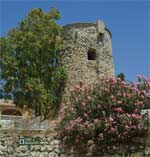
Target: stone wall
<point x="9" y="145"/>
<point x="50" y="146"/>
<point x="137" y="147"/>
<point x="78" y="39"/>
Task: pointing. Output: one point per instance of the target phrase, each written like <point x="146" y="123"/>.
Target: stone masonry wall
<point x="50" y="146"/>
<point x="78" y="39"/>
<point x="9" y="146"/>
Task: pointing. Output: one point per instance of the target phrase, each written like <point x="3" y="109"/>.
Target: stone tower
<point x="87" y="52"/>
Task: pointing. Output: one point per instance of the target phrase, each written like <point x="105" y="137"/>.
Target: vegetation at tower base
<point x="107" y="113"/>
<point x="28" y="62"/>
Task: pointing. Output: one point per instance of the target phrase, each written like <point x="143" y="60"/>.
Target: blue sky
<point x="128" y="21"/>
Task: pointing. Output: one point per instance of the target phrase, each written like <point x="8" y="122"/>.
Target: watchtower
<point x="87" y="52"/>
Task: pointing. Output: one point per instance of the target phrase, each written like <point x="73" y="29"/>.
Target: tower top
<point x="84" y="25"/>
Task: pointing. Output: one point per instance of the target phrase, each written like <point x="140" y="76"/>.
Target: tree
<point x="121" y="76"/>
<point x="28" y="62"/>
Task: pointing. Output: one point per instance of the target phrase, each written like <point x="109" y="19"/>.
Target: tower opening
<point x="100" y="37"/>
<point x="91" y="54"/>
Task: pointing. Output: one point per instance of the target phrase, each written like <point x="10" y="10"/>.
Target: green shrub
<point x="107" y="112"/>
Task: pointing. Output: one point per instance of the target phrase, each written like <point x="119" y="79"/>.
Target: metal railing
<point x="11" y="122"/>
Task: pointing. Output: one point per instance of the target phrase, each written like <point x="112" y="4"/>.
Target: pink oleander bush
<point x="107" y="112"/>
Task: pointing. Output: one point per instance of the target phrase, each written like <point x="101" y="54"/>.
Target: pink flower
<point x="86" y="123"/>
<point x="123" y="83"/>
<point x="96" y="120"/>
<point x="129" y="115"/>
<point x="134" y="127"/>
<point x="119" y="109"/>
<point x="128" y="95"/>
<point x="89" y="98"/>
<point x="112" y="97"/>
<point x="85" y="115"/>
<point x="136" y="83"/>
<point x="89" y="125"/>
<point x="137" y="103"/>
<point x="134" y="90"/>
<point x="113" y="130"/>
<point x="107" y="90"/>
<point x="101" y="136"/>
<point x="111" y="119"/>
<point x="148" y="83"/>
<point x="136" y="116"/>
<point x="83" y="104"/>
<point x="124" y="94"/>
<point x="112" y="79"/>
<point x="78" y="120"/>
<point x="127" y="127"/>
<point x="119" y="102"/>
<point x="144" y="92"/>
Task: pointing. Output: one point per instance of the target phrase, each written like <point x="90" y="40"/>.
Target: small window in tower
<point x="91" y="54"/>
<point x="100" y="37"/>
